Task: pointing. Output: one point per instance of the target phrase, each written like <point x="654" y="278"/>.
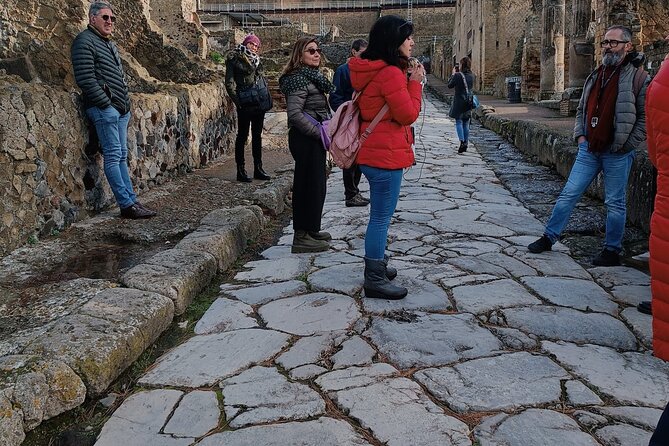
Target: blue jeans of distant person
<point x="615" y="168"/>
<point x="462" y="129"/>
<point x="384" y="191"/>
<point x="112" y="130"/>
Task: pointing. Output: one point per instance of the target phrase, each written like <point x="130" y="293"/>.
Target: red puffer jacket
<point x="389" y="145"/>
<point x="657" y="126"/>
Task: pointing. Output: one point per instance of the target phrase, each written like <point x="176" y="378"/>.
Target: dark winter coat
<point x="344" y="89"/>
<point x="240" y="74"/>
<point x="98" y="71"/>
<point x="460" y="96"/>
<point x="309" y="100"/>
<point x="630" y="118"/>
<point x="389" y="145"/>
<point x="657" y="108"/>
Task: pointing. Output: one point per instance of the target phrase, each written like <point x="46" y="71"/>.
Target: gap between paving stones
<point x="83" y="353"/>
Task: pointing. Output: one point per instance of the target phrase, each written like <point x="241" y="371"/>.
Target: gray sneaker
<point x="357" y="200"/>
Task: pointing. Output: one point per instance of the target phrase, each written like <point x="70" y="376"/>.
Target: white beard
<point x="611" y="59"/>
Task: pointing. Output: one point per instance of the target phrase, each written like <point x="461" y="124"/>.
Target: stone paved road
<point x="492" y="346"/>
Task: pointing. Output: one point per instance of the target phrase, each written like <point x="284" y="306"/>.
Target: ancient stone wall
<point x="180" y="24"/>
<point x="50" y="174"/>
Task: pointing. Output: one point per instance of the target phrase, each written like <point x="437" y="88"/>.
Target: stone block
<point x="175" y="273"/>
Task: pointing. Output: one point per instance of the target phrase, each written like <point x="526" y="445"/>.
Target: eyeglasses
<point x="313" y="51"/>
<point x="107" y="18"/>
<point x="612" y="43"/>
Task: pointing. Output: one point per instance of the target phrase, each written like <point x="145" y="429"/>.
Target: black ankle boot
<point x="463" y="147"/>
<point x="377" y="284"/>
<point x="241" y="174"/>
<point x="259" y="173"/>
<point x="391" y="272"/>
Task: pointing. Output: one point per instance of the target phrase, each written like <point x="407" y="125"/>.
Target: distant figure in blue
<point x="343" y="93"/>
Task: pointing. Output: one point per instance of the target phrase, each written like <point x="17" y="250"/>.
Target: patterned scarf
<point x="302" y="77"/>
<point x="252" y="57"/>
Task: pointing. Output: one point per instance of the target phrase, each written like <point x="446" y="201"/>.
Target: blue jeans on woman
<point x="462" y="128"/>
<point x="384" y="191"/>
<point x="616" y="169"/>
<point x="112" y="130"/>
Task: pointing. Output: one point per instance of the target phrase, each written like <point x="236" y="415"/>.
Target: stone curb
<point x="86" y="351"/>
<point x="556" y="148"/>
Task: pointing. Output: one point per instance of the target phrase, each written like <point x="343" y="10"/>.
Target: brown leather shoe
<point x="141" y="206"/>
<point x="135" y="212"/>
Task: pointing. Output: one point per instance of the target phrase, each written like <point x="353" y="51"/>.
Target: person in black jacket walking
<point x="344" y="92"/>
<point x="99" y="74"/>
<point x="458" y="111"/>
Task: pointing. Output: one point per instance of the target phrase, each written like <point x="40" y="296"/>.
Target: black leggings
<point x="309" y="181"/>
<point x="255" y="121"/>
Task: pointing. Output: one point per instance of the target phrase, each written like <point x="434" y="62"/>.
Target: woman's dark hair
<point x="386" y="36"/>
<point x="465" y="64"/>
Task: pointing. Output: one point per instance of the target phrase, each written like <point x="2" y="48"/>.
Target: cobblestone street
<point x="492" y="346"/>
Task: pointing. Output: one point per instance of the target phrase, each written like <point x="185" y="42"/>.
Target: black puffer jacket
<point x="460" y="95"/>
<point x="239" y="74"/>
<point x="98" y="71"/>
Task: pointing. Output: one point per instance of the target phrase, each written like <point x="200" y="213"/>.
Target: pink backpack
<point x="344" y="131"/>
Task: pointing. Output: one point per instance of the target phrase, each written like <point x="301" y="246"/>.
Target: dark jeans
<point x="255" y="121"/>
<point x="351" y="178"/>
<point x="309" y="181"/>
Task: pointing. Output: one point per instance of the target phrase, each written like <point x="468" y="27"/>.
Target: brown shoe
<point x="135" y="212"/>
<point x="141" y="206"/>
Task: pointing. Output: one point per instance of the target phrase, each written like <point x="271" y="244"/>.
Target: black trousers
<point x="351" y="178"/>
<point x="661" y="434"/>
<point x="309" y="181"/>
<point x="245" y="120"/>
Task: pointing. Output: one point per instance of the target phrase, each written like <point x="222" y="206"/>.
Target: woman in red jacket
<point x="657" y="127"/>
<point x="381" y="74"/>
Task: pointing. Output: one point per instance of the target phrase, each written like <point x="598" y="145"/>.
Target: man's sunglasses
<point x="107" y="18"/>
<point x="313" y="51"/>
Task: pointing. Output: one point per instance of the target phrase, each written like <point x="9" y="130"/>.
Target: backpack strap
<point x="464" y="81"/>
<point x="639" y="79"/>
<point x="375" y="121"/>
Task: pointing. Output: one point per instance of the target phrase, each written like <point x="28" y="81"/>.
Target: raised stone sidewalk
<point x="492" y="346"/>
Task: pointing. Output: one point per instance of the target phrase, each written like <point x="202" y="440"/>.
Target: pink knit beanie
<point x="251" y="38"/>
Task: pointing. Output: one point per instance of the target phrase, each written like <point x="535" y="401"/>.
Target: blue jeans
<point x="384" y="191"/>
<point x="112" y="130"/>
<point x="462" y="129"/>
<point x="616" y="169"/>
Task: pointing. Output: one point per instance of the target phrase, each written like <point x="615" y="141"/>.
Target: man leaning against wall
<point x="99" y="74"/>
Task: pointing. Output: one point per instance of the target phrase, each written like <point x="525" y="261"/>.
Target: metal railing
<point x="314" y="5"/>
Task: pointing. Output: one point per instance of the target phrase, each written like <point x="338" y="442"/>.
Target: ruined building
<point x="552" y="44"/>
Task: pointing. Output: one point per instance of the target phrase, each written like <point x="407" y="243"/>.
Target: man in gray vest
<point x="99" y="73"/>
<point x="610" y="126"/>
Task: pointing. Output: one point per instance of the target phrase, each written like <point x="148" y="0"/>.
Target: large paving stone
<point x="532" y="427"/>
<point x="345" y="279"/>
<point x="514" y="266"/>
<point x="322" y="432"/>
<point x="642" y="325"/>
<point x="138" y="421"/>
<point x="431" y="339"/>
<point x="479" y="266"/>
<point x="110" y="332"/>
<point x="196" y="414"/>
<point x="644" y="416"/>
<point x="354" y="351"/>
<point x="397" y="412"/>
<point x="279" y="270"/>
<point x="551" y="263"/>
<point x="175" y="273"/>
<point x="630" y="377"/>
<point x="463" y="221"/>
<point x="505" y="382"/>
<point x="492" y="295"/>
<point x="204" y="360"/>
<point x="578" y="394"/>
<point x="609" y="277"/>
<point x="224" y="233"/>
<point x="225" y="315"/>
<point x="262" y="395"/>
<point x="623" y="434"/>
<point x="311" y="313"/>
<point x="306" y="350"/>
<point x="574" y="293"/>
<point x="41" y="388"/>
<point x="423" y="295"/>
<point x="355" y="376"/>
<point x="557" y="323"/>
<point x="631" y="294"/>
<point x="258" y="295"/>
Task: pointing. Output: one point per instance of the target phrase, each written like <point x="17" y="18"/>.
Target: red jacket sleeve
<point x="403" y="97"/>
